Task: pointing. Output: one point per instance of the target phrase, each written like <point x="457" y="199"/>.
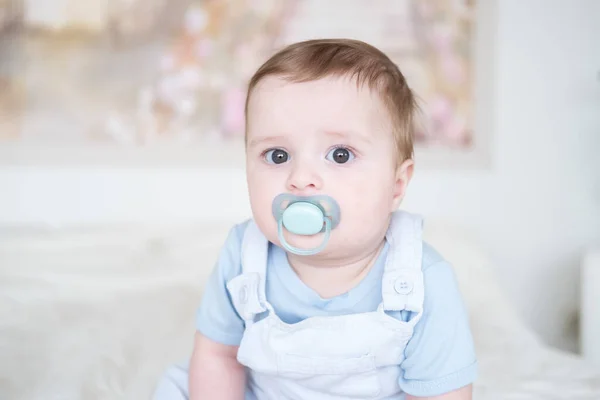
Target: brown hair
<point x="315" y="59"/>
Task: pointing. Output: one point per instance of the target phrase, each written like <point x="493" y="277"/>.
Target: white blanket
<point x="98" y="314"/>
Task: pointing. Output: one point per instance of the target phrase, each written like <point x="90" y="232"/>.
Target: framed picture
<point x="163" y="83"/>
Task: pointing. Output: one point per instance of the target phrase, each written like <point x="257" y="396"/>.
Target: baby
<point x="328" y="292"/>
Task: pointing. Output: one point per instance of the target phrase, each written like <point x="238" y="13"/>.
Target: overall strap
<point x="402" y="287"/>
<point x="248" y="289"/>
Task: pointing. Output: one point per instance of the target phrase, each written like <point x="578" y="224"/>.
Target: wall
<point x="535" y="210"/>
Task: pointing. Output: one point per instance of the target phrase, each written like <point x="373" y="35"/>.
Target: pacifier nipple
<point x="306" y="216"/>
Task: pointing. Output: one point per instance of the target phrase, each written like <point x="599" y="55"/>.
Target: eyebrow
<point x="345" y="135"/>
<point x="348" y="134"/>
<point x="265" y="140"/>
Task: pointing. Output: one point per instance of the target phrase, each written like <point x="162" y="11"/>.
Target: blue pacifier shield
<point x="305" y="215"/>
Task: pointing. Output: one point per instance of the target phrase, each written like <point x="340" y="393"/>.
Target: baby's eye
<point x="276" y="156"/>
<point x="340" y="155"/>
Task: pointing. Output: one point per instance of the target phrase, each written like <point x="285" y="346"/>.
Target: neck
<point x="333" y="277"/>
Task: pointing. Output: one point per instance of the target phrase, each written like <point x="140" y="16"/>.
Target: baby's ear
<point x="404" y="173"/>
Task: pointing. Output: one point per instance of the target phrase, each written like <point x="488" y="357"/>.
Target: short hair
<point x="319" y="58"/>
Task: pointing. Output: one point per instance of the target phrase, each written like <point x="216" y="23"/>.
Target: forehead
<point x="330" y="103"/>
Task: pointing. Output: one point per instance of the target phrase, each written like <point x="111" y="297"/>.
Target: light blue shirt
<point x="439" y="358"/>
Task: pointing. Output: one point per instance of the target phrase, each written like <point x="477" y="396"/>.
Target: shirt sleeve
<point x="216" y="317"/>
<point x="440" y="357"/>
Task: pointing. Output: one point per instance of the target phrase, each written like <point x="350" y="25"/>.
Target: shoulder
<point x="430" y="257"/>
<point x="230" y="259"/>
<point x="439" y="278"/>
<point x="444" y="309"/>
<point x="433" y="263"/>
<point x="236" y="234"/>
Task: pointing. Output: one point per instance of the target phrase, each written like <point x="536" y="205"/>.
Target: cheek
<point x="366" y="203"/>
<point x="265" y="183"/>
<point x="263" y="186"/>
<point x="260" y="190"/>
<point x="368" y="192"/>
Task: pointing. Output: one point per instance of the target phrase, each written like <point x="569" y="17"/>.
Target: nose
<point x="303" y="179"/>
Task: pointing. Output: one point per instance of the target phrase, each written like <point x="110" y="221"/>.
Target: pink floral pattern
<point x="229" y="40"/>
<point x="191" y="87"/>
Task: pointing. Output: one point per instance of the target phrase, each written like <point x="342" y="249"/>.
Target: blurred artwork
<point x="169" y="74"/>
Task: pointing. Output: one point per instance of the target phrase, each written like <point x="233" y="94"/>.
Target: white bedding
<point x="97" y="314"/>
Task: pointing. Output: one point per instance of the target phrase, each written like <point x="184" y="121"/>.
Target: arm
<point x="465" y="393"/>
<point x="215" y="372"/>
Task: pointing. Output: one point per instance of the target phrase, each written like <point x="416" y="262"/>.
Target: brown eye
<point x="340" y="155"/>
<point x="276" y="156"/>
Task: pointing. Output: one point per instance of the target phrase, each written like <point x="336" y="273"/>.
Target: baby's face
<point x="323" y="137"/>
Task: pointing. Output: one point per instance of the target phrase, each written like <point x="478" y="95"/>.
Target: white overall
<point x="333" y="357"/>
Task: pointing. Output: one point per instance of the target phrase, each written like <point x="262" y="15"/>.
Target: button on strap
<point x="244" y="292"/>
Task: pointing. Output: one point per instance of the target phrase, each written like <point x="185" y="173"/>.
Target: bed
<point x="97" y="313"/>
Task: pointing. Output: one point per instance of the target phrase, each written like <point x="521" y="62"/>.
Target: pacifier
<point x="305" y="215"/>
